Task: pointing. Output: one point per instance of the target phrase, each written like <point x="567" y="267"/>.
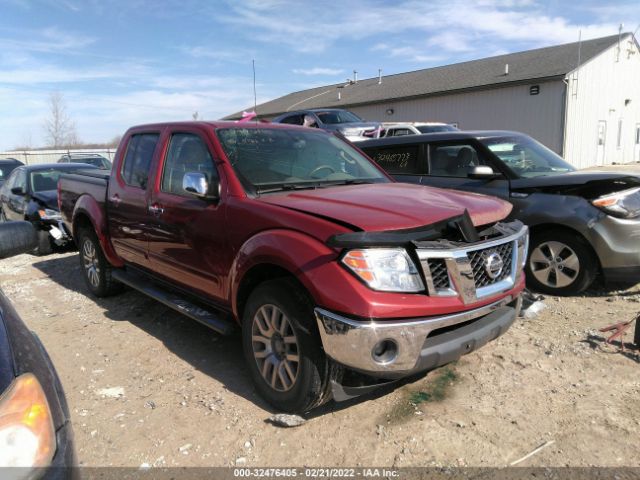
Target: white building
<point x="581" y="99"/>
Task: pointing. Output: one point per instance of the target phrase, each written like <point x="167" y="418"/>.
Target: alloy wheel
<point x="554" y="264"/>
<point x="91" y="263"/>
<point x="275" y="348"/>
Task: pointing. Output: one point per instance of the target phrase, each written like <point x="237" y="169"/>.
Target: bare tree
<point x="60" y="129"/>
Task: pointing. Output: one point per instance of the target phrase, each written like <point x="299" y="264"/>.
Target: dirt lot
<point x="187" y="399"/>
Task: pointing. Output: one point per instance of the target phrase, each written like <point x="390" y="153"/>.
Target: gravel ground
<point x="148" y="386"/>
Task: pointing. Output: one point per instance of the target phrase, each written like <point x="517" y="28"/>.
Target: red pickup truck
<point x="338" y="277"/>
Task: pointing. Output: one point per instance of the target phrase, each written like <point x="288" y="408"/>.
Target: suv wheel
<point x="560" y="263"/>
<point x="283" y="349"/>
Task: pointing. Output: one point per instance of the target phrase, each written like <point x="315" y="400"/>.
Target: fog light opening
<point x="385" y="352"/>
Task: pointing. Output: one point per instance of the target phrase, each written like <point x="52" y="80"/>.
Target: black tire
<point x="44" y="244"/>
<point x="581" y="276"/>
<point x="311" y="386"/>
<point x="16" y="238"/>
<point x="99" y="281"/>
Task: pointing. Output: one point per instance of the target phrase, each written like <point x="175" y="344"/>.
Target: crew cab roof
<point x="215" y="124"/>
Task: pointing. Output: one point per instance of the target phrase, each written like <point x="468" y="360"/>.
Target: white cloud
<point x="451" y="25"/>
<point x="318" y="71"/>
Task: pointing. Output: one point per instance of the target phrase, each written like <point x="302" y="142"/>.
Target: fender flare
<point x="87" y="206"/>
<point x="290" y="250"/>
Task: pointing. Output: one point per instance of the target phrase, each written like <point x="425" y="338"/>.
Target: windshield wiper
<point x="286" y="187"/>
<point x="352" y="181"/>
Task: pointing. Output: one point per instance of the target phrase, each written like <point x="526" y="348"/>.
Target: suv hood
<point x="588" y="185"/>
<point x="48" y="198"/>
<point x="390" y="206"/>
<point x="354" y="125"/>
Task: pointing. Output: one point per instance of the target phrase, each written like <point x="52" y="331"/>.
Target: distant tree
<point x="115" y="141"/>
<point x="195" y="115"/>
<point x="59" y="128"/>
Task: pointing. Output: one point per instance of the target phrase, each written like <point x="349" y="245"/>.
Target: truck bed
<point x="73" y="186"/>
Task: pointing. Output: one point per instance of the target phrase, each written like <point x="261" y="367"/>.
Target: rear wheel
<point x="283" y="349"/>
<point x="560" y="263"/>
<point x="95" y="267"/>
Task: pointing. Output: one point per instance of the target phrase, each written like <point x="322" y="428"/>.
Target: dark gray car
<point x="332" y="119"/>
<point x="582" y="223"/>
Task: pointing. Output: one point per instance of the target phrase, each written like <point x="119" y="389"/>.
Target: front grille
<point x="439" y="273"/>
<point x="478" y="264"/>
<point x="467" y="272"/>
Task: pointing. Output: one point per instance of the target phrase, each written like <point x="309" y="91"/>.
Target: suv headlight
<point x="49" y="214"/>
<point x="27" y="436"/>
<point x="624" y="204"/>
<point x="386" y="269"/>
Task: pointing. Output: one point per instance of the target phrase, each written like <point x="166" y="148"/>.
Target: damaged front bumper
<point x="395" y="349"/>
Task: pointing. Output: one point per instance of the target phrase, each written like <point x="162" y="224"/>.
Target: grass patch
<point x="435" y="389"/>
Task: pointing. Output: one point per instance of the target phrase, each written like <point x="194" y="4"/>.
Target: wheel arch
<point x="256" y="275"/>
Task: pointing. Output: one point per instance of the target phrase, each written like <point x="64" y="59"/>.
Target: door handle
<point x="115" y="199"/>
<point x="155" y="209"/>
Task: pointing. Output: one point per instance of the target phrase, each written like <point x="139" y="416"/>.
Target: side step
<point x="174" y="301"/>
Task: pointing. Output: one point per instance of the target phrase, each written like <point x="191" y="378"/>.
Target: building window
<point x="638" y="134"/>
<point x="619" y="140"/>
<point x="602" y="132"/>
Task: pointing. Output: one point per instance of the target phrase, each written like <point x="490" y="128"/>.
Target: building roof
<point x="538" y="64"/>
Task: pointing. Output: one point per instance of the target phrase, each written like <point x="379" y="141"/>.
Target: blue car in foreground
<point x="36" y="439"/>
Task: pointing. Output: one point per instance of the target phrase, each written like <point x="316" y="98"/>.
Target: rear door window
<point x="135" y="168"/>
<point x="399" y="159"/>
<point x="453" y="160"/>
<point x="293" y="120"/>
<point x="187" y="154"/>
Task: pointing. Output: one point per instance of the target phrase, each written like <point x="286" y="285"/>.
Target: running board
<point x="174" y="301"/>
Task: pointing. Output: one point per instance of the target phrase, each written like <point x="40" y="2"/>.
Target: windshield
<point x="99" y="162"/>
<point x="270" y="159"/>
<point x="5" y="170"/>
<point x="436" y="128"/>
<point x="338" y="116"/>
<point x="43" y="180"/>
<point x="526" y="157"/>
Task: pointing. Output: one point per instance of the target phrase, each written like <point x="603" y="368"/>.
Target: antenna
<point x="255" y="97"/>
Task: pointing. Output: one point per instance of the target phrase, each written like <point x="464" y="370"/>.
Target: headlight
<point x="49" y="214"/>
<point x="27" y="436"/>
<point x="351" y="132"/>
<point x="387" y="269"/>
<point x="624" y="204"/>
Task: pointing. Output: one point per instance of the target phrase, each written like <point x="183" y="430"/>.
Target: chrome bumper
<point x="361" y="344"/>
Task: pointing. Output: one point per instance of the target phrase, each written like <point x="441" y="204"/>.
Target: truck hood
<point x="588" y="185"/>
<point x="390" y="206"/>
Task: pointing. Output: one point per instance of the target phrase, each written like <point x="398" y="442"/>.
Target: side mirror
<point x="196" y="183"/>
<point x="17" y="191"/>
<point x="16" y="238"/>
<point x="483" y="172"/>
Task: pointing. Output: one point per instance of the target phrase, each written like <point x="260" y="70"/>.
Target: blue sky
<point x="120" y="63"/>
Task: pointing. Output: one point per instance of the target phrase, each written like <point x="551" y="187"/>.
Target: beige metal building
<point x="581" y="99"/>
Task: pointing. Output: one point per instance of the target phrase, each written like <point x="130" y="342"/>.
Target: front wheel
<point x="44" y="244"/>
<point x="283" y="349"/>
<point x="95" y="267"/>
<point x="560" y="263"/>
